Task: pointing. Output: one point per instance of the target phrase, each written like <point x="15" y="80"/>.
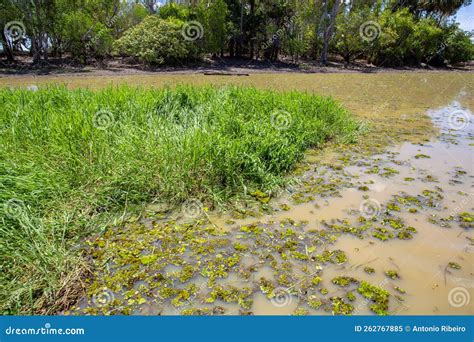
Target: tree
<point x="329" y="21"/>
<point x="213" y="17"/>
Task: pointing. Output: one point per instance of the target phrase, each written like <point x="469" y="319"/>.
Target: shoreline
<point x="241" y="68"/>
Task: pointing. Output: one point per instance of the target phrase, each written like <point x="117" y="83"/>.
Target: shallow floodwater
<point x="446" y="163"/>
<point x="400" y="202"/>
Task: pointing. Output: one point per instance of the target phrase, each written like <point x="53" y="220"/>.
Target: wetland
<point x="375" y="217"/>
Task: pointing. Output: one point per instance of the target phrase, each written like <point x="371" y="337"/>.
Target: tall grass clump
<point x="71" y="159"/>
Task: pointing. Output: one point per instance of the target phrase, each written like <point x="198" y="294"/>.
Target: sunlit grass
<point x="72" y="159"/>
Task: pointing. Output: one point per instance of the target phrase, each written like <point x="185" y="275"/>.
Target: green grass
<point x="72" y="159"/>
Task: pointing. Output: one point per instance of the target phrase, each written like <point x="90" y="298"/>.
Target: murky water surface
<point x="383" y="227"/>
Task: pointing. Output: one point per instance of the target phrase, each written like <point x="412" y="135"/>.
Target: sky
<point x="465" y="17"/>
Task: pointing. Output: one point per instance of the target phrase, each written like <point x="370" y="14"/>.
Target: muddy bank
<point x="58" y="68"/>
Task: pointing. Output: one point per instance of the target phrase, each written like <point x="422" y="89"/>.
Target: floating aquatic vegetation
<point x="351" y="296"/>
<point x="466" y="220"/>
<point x="230" y="294"/>
<point x="339" y="307"/>
<point x="421" y="155"/>
<point x="392" y="274"/>
<point x="369" y="270"/>
<point x="261" y="196"/>
<point x="454" y="265"/>
<point x="267" y="287"/>
<point x="388" y="172"/>
<point x="378" y="296"/>
<point x="399" y="289"/>
<point x="344" y="281"/>
<point x="314" y="302"/>
<point x="301" y="312"/>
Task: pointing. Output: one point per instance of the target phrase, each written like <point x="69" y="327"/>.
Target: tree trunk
<point x="252" y="38"/>
<point x="241" y="35"/>
<point x="7" y="49"/>
<point x="329" y="31"/>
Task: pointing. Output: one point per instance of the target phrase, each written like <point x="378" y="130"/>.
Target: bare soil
<point x="210" y="66"/>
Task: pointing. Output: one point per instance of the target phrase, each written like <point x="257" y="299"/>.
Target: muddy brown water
<point x="431" y="287"/>
<point x="437" y="158"/>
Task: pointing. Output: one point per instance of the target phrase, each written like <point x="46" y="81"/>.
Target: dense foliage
<point x="156" y="41"/>
<point x="384" y="32"/>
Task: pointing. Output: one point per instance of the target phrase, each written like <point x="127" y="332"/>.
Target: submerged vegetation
<point x="71" y="160"/>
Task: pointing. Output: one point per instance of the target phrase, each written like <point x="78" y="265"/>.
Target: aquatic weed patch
<point x="197" y="269"/>
<point x="72" y="159"/>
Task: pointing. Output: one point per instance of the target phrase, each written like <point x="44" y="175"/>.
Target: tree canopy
<point x="384" y="32"/>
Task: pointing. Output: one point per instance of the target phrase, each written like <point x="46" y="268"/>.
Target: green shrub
<point x="176" y="11"/>
<point x="424" y="42"/>
<point x="458" y="46"/>
<point x="156" y="41"/>
<point x="85" y="37"/>
<point x="405" y="40"/>
<point x="391" y="47"/>
<point x="347" y="40"/>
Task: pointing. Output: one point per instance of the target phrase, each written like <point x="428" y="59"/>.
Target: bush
<point x="458" y="46"/>
<point x="157" y="41"/>
<point x="347" y="39"/>
<point x="405" y="40"/>
<point x="176" y="11"/>
<point x="424" y="42"/>
<point x="85" y="37"/>
<point x="391" y="47"/>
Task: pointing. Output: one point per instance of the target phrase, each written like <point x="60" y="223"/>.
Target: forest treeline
<point x="382" y="32"/>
